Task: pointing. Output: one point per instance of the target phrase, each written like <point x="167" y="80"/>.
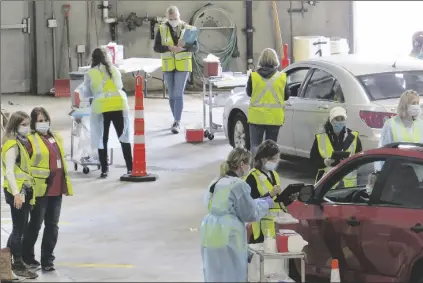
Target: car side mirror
<point x="306" y="193"/>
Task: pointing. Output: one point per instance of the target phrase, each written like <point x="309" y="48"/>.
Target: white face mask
<point x="42" y="127"/>
<point x="23" y="131"/>
<point x="174" y="23"/>
<point x="270" y="165"/>
<point x="414" y="110"/>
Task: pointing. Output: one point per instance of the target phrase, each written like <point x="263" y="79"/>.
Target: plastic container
<point x="339" y="46"/>
<point x="288" y="241"/>
<point x="211" y="69"/>
<point x="194" y="134"/>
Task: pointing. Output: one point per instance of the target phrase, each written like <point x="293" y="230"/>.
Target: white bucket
<point x="307" y="47"/>
<point x="339" y="46"/>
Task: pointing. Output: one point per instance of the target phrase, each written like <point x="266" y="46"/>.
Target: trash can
<point x="76" y="78"/>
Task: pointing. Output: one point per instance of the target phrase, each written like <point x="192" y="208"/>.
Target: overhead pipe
<point x="105" y="13"/>
<point x="249" y="33"/>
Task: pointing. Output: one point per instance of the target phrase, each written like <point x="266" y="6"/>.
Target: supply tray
<point x="218" y="99"/>
<point x="289" y="255"/>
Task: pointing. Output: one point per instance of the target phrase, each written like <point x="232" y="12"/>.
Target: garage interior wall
<point x="327" y="18"/>
<point x="385" y="27"/>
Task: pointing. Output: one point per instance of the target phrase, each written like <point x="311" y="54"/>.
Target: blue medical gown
<point x="224" y="246"/>
<point x="97" y="120"/>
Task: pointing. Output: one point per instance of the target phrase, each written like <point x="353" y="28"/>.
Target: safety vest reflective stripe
<point x="264" y="187"/>
<point x="401" y="134"/>
<point x="21" y="170"/>
<point x="267" y="103"/>
<point x="110" y="98"/>
<point x="326" y="150"/>
<point x="181" y="61"/>
<point x="40" y="164"/>
<point x="255" y="100"/>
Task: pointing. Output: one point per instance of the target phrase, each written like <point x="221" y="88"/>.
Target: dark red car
<point x="375" y="228"/>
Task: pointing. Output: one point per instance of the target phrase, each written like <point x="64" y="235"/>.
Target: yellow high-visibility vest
<point x="326" y="150"/>
<point x="267" y="104"/>
<point x="110" y="98"/>
<point x="181" y="61"/>
<point x="22" y="169"/>
<point x="40" y="164"/>
<point x="264" y="186"/>
<point x="401" y="134"/>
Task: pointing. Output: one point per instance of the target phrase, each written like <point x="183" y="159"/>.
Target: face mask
<point x="23" y="131"/>
<point x="270" y="166"/>
<point x="338" y="126"/>
<point x="174" y="23"/>
<point x="414" y="110"/>
<point x="42" y="127"/>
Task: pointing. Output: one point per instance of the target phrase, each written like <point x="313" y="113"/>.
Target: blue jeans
<point x="258" y="131"/>
<point x="176" y="82"/>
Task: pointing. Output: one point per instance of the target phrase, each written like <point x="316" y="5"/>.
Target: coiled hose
<point x="225" y="54"/>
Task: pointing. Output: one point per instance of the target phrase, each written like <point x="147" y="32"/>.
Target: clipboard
<point x="191" y="35"/>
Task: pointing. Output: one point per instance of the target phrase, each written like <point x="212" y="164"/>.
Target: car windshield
<point x="391" y="85"/>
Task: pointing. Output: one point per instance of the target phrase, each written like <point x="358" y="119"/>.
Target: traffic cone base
<point x="138" y="179"/>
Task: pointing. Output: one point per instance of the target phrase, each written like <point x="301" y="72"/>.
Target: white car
<point x="368" y="88"/>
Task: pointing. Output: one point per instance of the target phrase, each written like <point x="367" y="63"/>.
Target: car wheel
<point x="240" y="131"/>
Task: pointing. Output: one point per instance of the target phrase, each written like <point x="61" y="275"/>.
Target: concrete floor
<point x="114" y="231"/>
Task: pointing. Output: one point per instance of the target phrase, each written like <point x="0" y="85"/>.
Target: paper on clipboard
<point x="191" y="35"/>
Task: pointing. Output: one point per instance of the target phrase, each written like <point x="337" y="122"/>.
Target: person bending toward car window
<point x="268" y="91"/>
<point x="264" y="181"/>
<point x="336" y="137"/>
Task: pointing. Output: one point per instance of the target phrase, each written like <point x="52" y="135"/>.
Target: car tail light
<point x="375" y="120"/>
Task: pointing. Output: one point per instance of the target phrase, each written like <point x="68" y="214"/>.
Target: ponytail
<point x="224" y="169"/>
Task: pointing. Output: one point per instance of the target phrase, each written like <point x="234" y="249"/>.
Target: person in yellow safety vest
<point x="264" y="181"/>
<point x="176" y="61"/>
<point x="51" y="178"/>
<point x="417" y="41"/>
<point x="268" y="91"/>
<point x="18" y="186"/>
<point x="407" y="126"/>
<point x="224" y="247"/>
<point x="104" y="83"/>
<point x="336" y="137"/>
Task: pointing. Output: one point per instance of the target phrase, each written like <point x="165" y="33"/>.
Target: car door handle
<point x="418" y="228"/>
<point x="325" y="106"/>
<point x="352" y="221"/>
<point x="287" y="103"/>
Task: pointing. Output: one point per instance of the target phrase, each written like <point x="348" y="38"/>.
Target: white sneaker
<point x="175" y="128"/>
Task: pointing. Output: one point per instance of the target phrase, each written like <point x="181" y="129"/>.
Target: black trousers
<point x="115" y="117"/>
<point x="47" y="210"/>
<point x="19" y="225"/>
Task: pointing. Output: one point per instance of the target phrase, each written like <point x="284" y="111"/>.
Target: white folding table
<point x="144" y="65"/>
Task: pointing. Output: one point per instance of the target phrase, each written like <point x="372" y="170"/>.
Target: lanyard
<point x="50" y="145"/>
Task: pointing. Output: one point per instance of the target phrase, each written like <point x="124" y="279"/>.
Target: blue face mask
<point x="338" y="126"/>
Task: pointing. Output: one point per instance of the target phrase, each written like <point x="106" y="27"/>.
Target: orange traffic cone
<point x="334" y="273"/>
<point x="139" y="170"/>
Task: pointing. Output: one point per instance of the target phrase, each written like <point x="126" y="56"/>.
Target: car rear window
<point x="391" y="85"/>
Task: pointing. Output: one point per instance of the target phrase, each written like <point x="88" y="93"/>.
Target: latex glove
<point x="328" y="162"/>
<point x="269" y="201"/>
<point x="276" y="191"/>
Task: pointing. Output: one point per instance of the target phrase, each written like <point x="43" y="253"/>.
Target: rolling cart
<point x="81" y="109"/>
<point x="218" y="100"/>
